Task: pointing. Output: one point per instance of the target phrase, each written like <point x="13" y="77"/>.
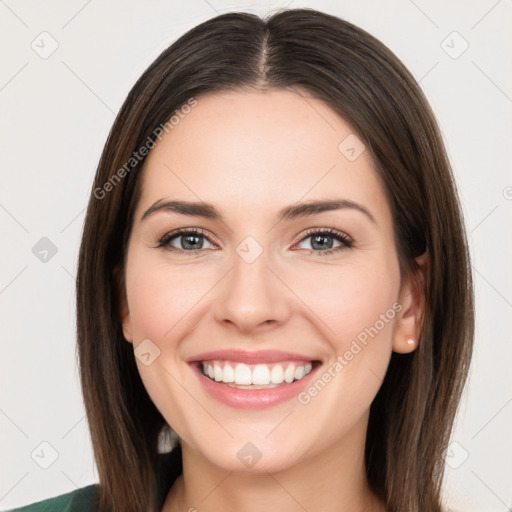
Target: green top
<point x="79" y="500"/>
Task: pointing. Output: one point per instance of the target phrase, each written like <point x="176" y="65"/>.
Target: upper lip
<point x="243" y="356"/>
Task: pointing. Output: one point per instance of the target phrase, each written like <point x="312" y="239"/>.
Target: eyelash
<point x="346" y="242"/>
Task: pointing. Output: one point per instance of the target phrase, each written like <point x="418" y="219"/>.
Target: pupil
<point x="321" y="238"/>
<point x="187" y="238"/>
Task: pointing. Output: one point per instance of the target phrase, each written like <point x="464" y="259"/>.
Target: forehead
<point x="260" y="149"/>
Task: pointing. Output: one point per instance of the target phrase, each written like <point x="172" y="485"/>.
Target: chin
<point x="252" y="457"/>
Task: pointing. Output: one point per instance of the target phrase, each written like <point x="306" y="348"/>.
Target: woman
<point x="274" y="265"/>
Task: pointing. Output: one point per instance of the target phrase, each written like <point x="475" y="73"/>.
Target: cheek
<point x="159" y="298"/>
<point x="161" y="301"/>
<point x="352" y="300"/>
<point x="345" y="302"/>
<point x="356" y="309"/>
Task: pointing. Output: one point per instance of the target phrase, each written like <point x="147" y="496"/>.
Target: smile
<point x="256" y="376"/>
<point x="254" y="380"/>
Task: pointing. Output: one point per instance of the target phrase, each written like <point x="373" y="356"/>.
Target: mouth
<point x="254" y="379"/>
<point x="256" y="376"/>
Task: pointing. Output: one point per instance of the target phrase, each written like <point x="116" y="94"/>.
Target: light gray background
<point x="55" y="116"/>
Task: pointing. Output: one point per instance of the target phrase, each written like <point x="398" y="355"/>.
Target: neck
<point x="333" y="480"/>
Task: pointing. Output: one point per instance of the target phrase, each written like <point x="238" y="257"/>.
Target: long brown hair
<point x="361" y="79"/>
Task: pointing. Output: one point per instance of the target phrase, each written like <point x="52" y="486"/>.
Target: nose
<point x="252" y="297"/>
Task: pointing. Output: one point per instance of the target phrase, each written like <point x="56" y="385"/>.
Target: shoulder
<point x="79" y="500"/>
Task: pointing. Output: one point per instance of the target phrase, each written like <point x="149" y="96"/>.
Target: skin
<point x="251" y="154"/>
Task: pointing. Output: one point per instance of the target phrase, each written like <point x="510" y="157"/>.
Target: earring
<point x="410" y="342"/>
<point x="167" y="439"/>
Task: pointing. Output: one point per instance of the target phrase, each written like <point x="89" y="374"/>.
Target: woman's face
<point x="273" y="294"/>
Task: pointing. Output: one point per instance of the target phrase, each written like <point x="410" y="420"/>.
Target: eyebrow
<point x="207" y="210"/>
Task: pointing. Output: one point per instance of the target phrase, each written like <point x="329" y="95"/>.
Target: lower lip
<point x="253" y="398"/>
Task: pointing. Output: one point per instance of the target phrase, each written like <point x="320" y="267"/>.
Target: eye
<point x="191" y="240"/>
<point x="323" y="240"/>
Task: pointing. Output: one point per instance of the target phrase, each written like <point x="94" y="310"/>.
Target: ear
<point x="412" y="299"/>
<point x="124" y="313"/>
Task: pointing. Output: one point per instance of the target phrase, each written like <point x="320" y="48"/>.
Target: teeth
<point x="289" y="373"/>
<point x="261" y="375"/>
<point x="228" y="374"/>
<point x="277" y="374"/>
<point x="255" y="375"/>
<point x="299" y="372"/>
<point x="243" y="374"/>
<point x="217" y="372"/>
